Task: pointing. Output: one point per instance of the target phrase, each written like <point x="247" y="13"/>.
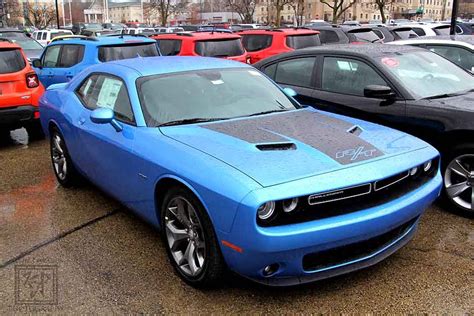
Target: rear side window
<point x="11" y="60"/>
<point x="220" y="48"/>
<point x="103" y="91"/>
<point x="71" y="55"/>
<point x="256" y="42"/>
<point x="169" y="47"/>
<point x="295" y="72"/>
<point x="366" y="36"/>
<point x="302" y="41"/>
<point x="327" y="37"/>
<point x="406" y="34"/>
<point x="118" y="52"/>
<point x="419" y="31"/>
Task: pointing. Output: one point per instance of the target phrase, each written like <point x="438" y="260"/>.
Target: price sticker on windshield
<point x="390" y="62"/>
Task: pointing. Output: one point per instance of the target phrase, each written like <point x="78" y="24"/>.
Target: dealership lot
<point x="107" y="260"/>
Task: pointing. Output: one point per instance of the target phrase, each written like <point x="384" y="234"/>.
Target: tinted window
<point x="45" y="36"/>
<point x="460" y="56"/>
<point x="51" y="56"/>
<point x="366" y="36"/>
<point x="71" y="55"/>
<point x="117" y="52"/>
<point x="11" y="60"/>
<point x="406" y="34"/>
<point x="302" y="41"/>
<point x="270" y="71"/>
<point x="328" y="36"/>
<point x="419" y="31"/>
<point x="296" y="72"/>
<point x="101" y="91"/>
<point x="348" y="76"/>
<point x="169" y="47"/>
<point x="379" y="34"/>
<point x="220" y="48"/>
<point x="442" y="30"/>
<point x="255" y="42"/>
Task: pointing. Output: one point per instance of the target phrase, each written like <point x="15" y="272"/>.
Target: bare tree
<point x="166" y="8"/>
<point x="39" y="15"/>
<point x="279" y="5"/>
<point x="338" y="7"/>
<point x="381" y="5"/>
<point x="298" y="8"/>
<point x="244" y="8"/>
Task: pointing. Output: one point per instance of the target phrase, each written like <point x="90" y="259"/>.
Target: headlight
<point x="289" y="205"/>
<point x="427" y="166"/>
<point x="266" y="210"/>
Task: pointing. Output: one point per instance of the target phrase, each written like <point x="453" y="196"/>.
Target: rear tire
<point x="458" y="176"/>
<point x="63" y="166"/>
<point x="190" y="240"/>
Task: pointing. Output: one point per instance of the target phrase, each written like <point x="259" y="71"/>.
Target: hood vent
<point x="276" y="146"/>
<point x="356" y="130"/>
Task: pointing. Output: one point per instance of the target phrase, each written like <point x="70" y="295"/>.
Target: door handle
<point x="69" y="75"/>
<point x="82" y="121"/>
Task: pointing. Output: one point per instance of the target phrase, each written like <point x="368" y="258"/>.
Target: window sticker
<point x="217" y="81"/>
<point x="391" y="62"/>
<point x="88" y="85"/>
<point x="109" y="93"/>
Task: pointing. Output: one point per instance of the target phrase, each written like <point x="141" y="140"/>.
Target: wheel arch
<point x="455" y="138"/>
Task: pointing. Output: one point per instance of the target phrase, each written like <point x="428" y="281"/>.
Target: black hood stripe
<point x="324" y="133"/>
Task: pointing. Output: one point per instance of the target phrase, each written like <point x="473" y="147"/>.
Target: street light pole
<point x="454" y="15"/>
<point x="57" y="13"/>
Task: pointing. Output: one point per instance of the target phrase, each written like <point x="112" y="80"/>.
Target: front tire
<point x="190" y="239"/>
<point x="63" y="167"/>
<point x="458" y="176"/>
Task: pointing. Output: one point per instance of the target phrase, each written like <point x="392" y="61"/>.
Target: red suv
<point x="207" y="44"/>
<point x="261" y="44"/>
<point x="20" y="91"/>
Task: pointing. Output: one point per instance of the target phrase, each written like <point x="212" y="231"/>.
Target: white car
<point x="139" y="30"/>
<point x="45" y="36"/>
<point x="458" y="49"/>
<point x="169" y="29"/>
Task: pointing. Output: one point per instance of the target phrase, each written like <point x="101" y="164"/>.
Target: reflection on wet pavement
<point x="109" y="261"/>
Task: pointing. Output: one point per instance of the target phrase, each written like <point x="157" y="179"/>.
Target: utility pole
<point x="64" y="14"/>
<point x="57" y="13"/>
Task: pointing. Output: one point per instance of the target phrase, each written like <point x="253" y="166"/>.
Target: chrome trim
<point x="387" y="185"/>
<point x="338" y="199"/>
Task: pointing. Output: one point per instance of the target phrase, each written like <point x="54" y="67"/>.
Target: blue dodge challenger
<point x="235" y="172"/>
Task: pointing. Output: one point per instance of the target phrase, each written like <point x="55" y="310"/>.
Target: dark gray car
<point x="30" y="46"/>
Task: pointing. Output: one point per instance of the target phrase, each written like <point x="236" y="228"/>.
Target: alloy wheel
<point x="459" y="181"/>
<point x="185" y="237"/>
<point x="59" y="157"/>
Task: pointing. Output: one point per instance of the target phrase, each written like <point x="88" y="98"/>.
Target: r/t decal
<point x="355" y="153"/>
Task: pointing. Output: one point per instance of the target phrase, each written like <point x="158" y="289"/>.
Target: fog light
<point x="413" y="171"/>
<point x="266" y="210"/>
<point x="290" y="205"/>
<point x="427" y="166"/>
<point x="271" y="269"/>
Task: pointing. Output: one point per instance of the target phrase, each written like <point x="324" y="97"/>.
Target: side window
<point x="296" y="72"/>
<point x="348" y="76"/>
<point x="102" y="91"/>
<point x="51" y="56"/>
<point x="45" y="36"/>
<point x="169" y="47"/>
<point x="270" y="71"/>
<point x="460" y="56"/>
<point x="71" y="55"/>
<point x="419" y="31"/>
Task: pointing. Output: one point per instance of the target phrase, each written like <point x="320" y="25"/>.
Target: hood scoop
<point x="276" y="146"/>
<point x="356" y="130"/>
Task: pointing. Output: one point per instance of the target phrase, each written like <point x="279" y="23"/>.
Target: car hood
<point x="277" y="148"/>
<point x="462" y="102"/>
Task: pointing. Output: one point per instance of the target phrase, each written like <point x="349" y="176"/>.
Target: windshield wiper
<point x="191" y="121"/>
<point x="447" y="95"/>
<point x="267" y="112"/>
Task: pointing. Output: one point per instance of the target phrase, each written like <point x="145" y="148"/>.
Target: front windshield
<point x="209" y="94"/>
<point x="427" y="75"/>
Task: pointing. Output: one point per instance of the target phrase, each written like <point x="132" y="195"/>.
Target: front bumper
<point x="288" y="245"/>
<point x="18" y="116"/>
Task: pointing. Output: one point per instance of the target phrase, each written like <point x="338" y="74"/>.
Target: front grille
<point x="355" y="251"/>
<point x="352" y="199"/>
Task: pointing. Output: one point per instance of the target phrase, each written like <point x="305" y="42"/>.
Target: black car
<point x="383" y="33"/>
<point x="402" y="32"/>
<point x="30" y="46"/>
<point x="361" y="34"/>
<point x="330" y="34"/>
<point x="404" y="87"/>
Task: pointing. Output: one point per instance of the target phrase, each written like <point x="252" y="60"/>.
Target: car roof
<point x="3" y="30"/>
<point x="287" y="31"/>
<point x="103" y="41"/>
<point x="199" y="36"/>
<point x="170" y="64"/>
<point x="8" y="44"/>
<point x="463" y="40"/>
<point x="371" y="51"/>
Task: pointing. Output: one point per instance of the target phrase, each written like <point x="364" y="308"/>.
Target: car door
<point x="296" y="73"/>
<point x="107" y="154"/>
<point x="340" y="88"/>
<point x="60" y="63"/>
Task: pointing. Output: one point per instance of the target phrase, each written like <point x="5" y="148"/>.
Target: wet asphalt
<point x="109" y="261"/>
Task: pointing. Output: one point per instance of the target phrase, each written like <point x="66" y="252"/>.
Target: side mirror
<point x="105" y="116"/>
<point x="37" y="63"/>
<point x="379" y="92"/>
<point x="290" y="92"/>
